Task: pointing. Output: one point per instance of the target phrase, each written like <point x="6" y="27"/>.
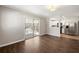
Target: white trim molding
<point x="6" y="44"/>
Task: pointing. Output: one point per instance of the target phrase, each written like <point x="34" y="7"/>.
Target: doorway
<point x="32" y="28"/>
<point x="69" y="28"/>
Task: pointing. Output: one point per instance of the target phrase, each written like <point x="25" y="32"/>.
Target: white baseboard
<point x="6" y="44"/>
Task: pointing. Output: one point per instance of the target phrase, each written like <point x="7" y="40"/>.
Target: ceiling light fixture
<point x="52" y="7"/>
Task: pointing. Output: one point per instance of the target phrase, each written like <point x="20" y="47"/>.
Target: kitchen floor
<point x="70" y="36"/>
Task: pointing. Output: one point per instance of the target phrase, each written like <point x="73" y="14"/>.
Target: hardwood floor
<point x="43" y="44"/>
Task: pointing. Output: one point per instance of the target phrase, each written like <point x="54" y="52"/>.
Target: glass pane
<point x="29" y="28"/>
<point x="36" y="27"/>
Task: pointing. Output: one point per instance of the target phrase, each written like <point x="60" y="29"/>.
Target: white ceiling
<point x="41" y="10"/>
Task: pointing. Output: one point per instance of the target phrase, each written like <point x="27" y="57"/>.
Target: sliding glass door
<point x="32" y="27"/>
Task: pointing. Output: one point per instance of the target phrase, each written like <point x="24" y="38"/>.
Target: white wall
<point x="43" y="26"/>
<point x="12" y="27"/>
